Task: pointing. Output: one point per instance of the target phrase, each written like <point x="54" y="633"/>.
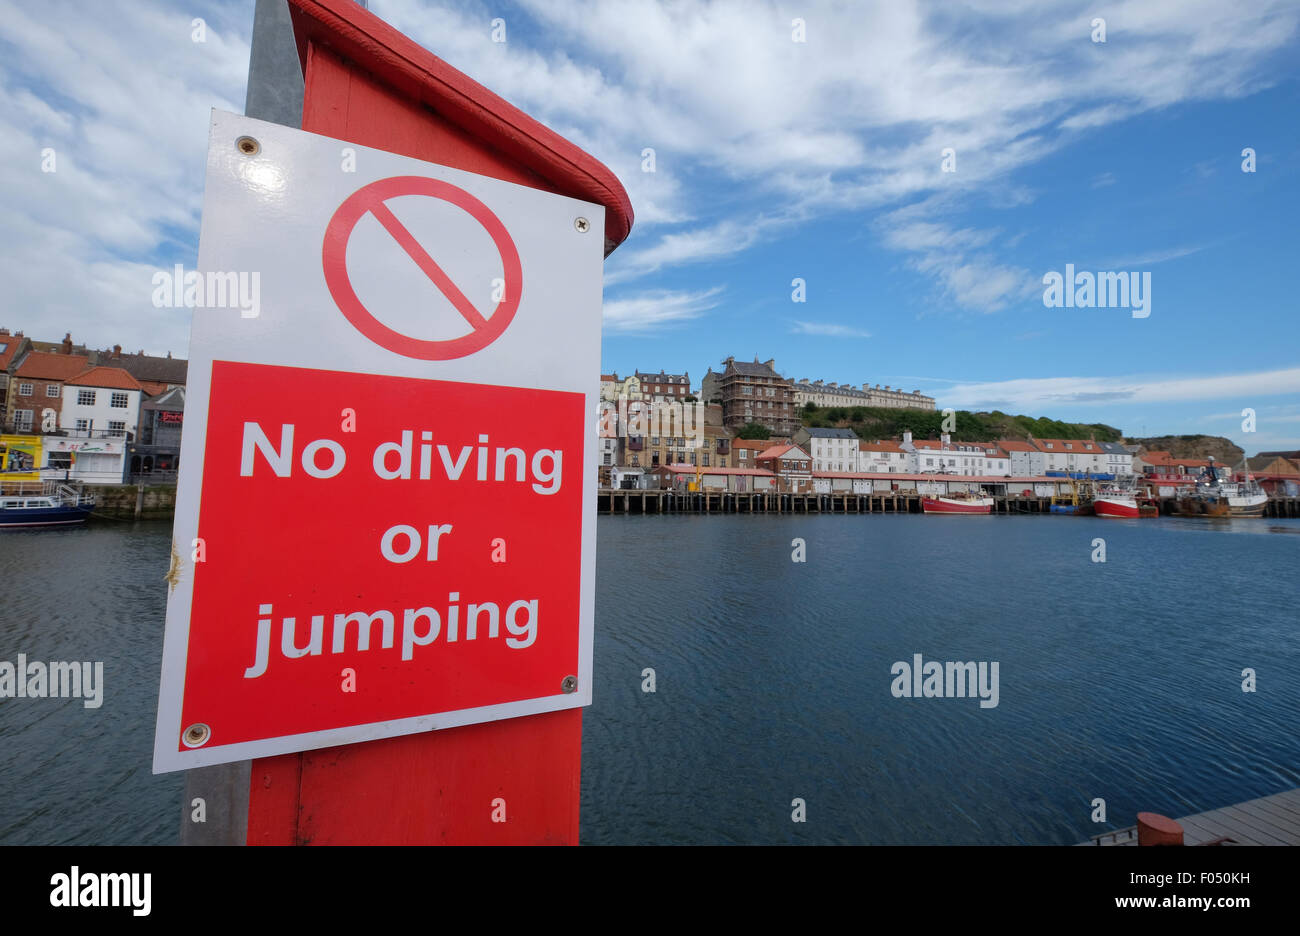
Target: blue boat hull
<point x="42" y="516"/>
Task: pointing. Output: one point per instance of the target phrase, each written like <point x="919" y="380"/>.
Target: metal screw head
<point x="569" y="684"/>
<point x="582" y="224"/>
<point x="196" y="735"/>
<point x="248" y="146"/>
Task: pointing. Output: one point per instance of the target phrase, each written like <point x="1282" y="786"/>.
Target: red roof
<point x="776" y="451"/>
<point x="1076" y="445"/>
<point x="114" y="378"/>
<point x="888" y="446"/>
<point x="1013" y="445"/>
<point x="46" y="365"/>
<point x="1164" y="459"/>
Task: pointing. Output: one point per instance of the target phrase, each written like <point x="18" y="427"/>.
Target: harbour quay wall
<point x="134" y="501"/>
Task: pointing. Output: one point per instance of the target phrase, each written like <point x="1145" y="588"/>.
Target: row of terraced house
<point x="71" y="413"/>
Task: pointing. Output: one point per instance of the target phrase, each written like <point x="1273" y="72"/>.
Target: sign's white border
<point x="312" y="157"/>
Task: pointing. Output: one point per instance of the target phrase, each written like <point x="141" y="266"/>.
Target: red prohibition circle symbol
<point x="371" y="199"/>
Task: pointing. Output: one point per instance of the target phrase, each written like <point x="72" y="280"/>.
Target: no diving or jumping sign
<point x="372" y="199"/>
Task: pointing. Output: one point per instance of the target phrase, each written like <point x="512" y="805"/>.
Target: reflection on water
<point x="1119" y="680"/>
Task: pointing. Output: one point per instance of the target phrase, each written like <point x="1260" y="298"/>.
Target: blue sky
<point x="776" y="159"/>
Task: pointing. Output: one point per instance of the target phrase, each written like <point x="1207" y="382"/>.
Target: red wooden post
<point x="369" y="84"/>
<point x="1155" y="829"/>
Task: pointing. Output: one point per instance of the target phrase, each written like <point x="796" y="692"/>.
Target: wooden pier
<point x="1269" y="820"/>
<point x="611" y="501"/>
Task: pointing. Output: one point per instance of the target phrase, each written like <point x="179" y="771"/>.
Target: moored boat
<point x="1115" y="501"/>
<point x="957" y="504"/>
<point x="1212" y="497"/>
<point x="62" y="507"/>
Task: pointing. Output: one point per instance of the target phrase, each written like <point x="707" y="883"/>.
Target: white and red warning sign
<point x="385" y="514"/>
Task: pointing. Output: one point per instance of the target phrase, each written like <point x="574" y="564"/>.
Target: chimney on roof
<point x="886" y="387"/>
<point x="4" y="333"/>
<point x="169" y="355"/>
<point x="19" y="333"/>
<point x="770" y="362"/>
<point x="67" y="343"/>
<point x="117" y="351"/>
<point x="866" y="387"/>
<point x="945" y="439"/>
<point x="907" y="437"/>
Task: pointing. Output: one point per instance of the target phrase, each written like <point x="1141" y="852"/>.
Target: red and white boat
<point x="957" y="504"/>
<point x="1115" y="501"/>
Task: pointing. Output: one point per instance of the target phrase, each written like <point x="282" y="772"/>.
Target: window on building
<point x="23" y="420"/>
<point x="52" y="390"/>
<point x="85" y="397"/>
<point x="83" y="425"/>
<point x="60" y="460"/>
<point x="609" y="459"/>
<point x="119" y="401"/>
<point x="117" y="426"/>
<point x="24" y="389"/>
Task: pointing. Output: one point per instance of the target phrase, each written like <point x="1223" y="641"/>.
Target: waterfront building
<point x="831" y="449"/>
<point x="1119" y="460"/>
<point x="977" y="459"/>
<point x="36" y="390"/>
<point x="884" y="456"/>
<point x="664" y="387"/>
<point x="99" y="416"/>
<point x="757" y="393"/>
<point x="156" y="453"/>
<point x="1025" y="458"/>
<point x="13" y="348"/>
<point x="830" y="394"/>
<point x="745" y="452"/>
<point x="731" y="480"/>
<point x="1277" y="474"/>
<point x="791" y="465"/>
<point x="1072" y="455"/>
<point x="1164" y="466"/>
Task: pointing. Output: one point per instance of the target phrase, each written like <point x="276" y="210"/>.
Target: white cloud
<point x="829" y="329"/>
<point x="650" y="310"/>
<point x="1031" y="393"/>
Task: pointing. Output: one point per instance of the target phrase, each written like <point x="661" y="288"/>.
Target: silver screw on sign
<point x="569" y="684"/>
<point x="582" y="224"/>
<point x="248" y="146"/>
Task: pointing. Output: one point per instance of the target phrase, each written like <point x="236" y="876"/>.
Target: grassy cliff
<point x="871" y="422"/>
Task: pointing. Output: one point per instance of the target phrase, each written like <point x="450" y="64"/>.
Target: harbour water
<point x="1119" y="680"/>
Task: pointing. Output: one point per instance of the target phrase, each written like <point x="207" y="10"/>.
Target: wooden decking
<point x="1269" y="820"/>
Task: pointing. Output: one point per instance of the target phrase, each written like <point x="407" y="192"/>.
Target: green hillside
<point x="873" y="422"/>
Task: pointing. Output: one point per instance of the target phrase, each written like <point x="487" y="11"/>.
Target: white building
<point x="1073" y="455"/>
<point x="826" y="395"/>
<point x="831" y="449"/>
<point x="1026" y="460"/>
<point x="100" y="413"/>
<point x="962" y="458"/>
<point x="1119" y="460"/>
<point x="884" y="457"/>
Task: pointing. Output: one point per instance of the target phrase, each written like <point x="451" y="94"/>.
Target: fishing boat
<point x="1115" y="500"/>
<point x="1077" y="503"/>
<point x="1215" y="497"/>
<point x="957" y="504"/>
<point x="62" y="506"/>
